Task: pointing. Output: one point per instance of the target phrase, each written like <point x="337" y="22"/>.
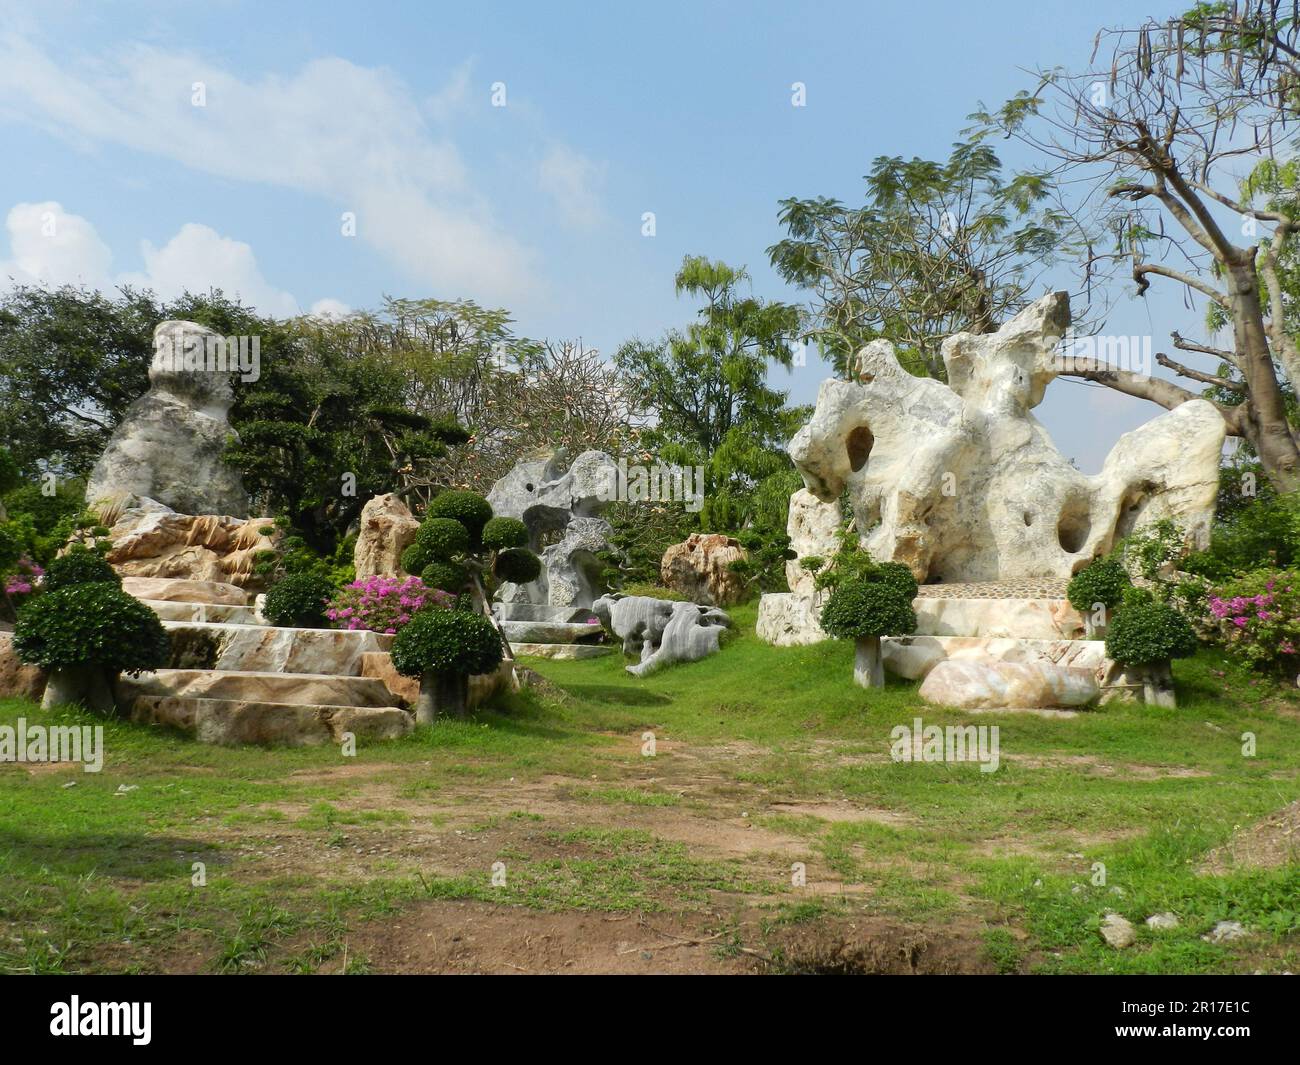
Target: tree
<point x="708" y="387"/>
<point x="1158" y="135"/>
<point x="938" y="248"/>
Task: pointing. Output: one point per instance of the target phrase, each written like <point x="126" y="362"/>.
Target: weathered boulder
<point x="985" y="684"/>
<point x="551" y="498"/>
<point x="17" y="679"/>
<point x="482" y="686"/>
<point x="168" y="446"/>
<point x="700" y="568"/>
<point x="961" y="483"/>
<point x="387" y="529"/>
<point x="794" y="617"/>
<point x="662" y="632"/>
<point x="152" y="540"/>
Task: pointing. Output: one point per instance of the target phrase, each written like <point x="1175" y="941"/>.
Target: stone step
<point x="269" y="649"/>
<point x="179" y="590"/>
<point x="177" y="610"/>
<point x="562" y="650"/>
<point x="232" y="721"/>
<point x="541" y="612"/>
<point x="551" y="632"/>
<point x="298" y="688"/>
<point x="913" y="657"/>
<point x="1026" y="619"/>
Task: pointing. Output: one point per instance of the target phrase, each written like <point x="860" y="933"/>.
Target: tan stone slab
<point x="181" y="590"/>
<point x="306" y="689"/>
<point x="231" y="722"/>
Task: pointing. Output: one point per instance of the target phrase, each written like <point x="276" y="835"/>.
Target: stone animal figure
<point x="662" y="632"/>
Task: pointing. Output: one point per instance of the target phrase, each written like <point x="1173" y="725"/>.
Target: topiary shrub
<point x="1149" y="634"/>
<point x="443" y="648"/>
<point x="79" y="566"/>
<point x="449" y="576"/>
<point x="299" y="601"/>
<point x="863" y="611"/>
<point x="518" y="566"/>
<point x="86" y="634"/>
<point x="502" y="533"/>
<point x="442" y="538"/>
<point x="414" y="559"/>
<point x="468" y="508"/>
<point x="1102" y="581"/>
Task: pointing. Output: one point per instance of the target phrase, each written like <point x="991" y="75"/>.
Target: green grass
<point x="94" y="879"/>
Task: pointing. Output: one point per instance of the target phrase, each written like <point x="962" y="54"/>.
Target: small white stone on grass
<point x="1117" y="931"/>
<point x="1226" y="932"/>
<point x="1162" y="920"/>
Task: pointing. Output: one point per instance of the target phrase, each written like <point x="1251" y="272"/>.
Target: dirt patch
<point x="840" y="812"/>
<point x="1266" y="844"/>
<point x="871" y="947"/>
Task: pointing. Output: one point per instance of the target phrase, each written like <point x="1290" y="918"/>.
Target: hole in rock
<point x="1073" y="526"/>
<point x="1029" y="518"/>
<point x="528" y="488"/>
<point x="859" y="444"/>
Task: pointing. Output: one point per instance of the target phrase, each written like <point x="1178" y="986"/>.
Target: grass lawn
<point x="541" y="838"/>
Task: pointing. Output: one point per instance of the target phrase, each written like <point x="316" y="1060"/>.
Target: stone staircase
<point x="551" y="631"/>
<point x="234" y="679"/>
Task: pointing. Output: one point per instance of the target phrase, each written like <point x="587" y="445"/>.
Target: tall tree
<point x="938" y="248"/>
<point x="1161" y="135"/>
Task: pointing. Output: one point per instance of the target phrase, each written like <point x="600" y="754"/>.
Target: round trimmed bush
<point x="448" y="576"/>
<point x="857" y="609"/>
<point x="502" y="533"/>
<point x="896" y="576"/>
<point x="299" y="601"/>
<point x="518" y="566"/>
<point x="79" y="566"/>
<point x="1102" y="582"/>
<point x="447" y="641"/>
<point x="468" y="508"/>
<point x="1148" y="633"/>
<point x="442" y="538"/>
<point x="94" y="624"/>
<point x="414" y="559"/>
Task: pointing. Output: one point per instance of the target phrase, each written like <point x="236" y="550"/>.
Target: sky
<point x="317" y="157"/>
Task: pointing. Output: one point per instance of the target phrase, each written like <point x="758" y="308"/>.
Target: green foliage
<point x="1149" y="633"/>
<point x="767" y="551"/>
<point x="449" y="576"/>
<point x="1102" y="581"/>
<point x="91" y="625"/>
<point x="851" y="563"/>
<point x="1256" y="618"/>
<point x="299" y="600"/>
<point x="468" y="508"/>
<point x="517" y="566"/>
<point x="859" y="608"/>
<point x="1265" y="530"/>
<point x="442" y="538"/>
<point x="13" y="544"/>
<point x="447" y="641"/>
<point x="642" y="532"/>
<point x="1148" y="551"/>
<point x="502" y="533"/>
<point x="10" y="475"/>
<point x="415" y="559"/>
<point x="79" y="566"/>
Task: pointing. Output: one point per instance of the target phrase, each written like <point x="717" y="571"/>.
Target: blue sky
<point x="385" y="110"/>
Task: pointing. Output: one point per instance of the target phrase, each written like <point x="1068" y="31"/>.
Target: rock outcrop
<point x="660" y="631"/>
<point x="169" y="444"/>
<point x="387" y="529"/>
<point x="700" y="568"/>
<point x="152" y="540"/>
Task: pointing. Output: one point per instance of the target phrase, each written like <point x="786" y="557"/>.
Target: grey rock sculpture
<point x="168" y="446"/>
<point x="662" y="632"/>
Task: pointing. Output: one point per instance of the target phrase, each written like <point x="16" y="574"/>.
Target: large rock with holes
<point x="700" y="568"/>
<point x="387" y="529"/>
<point x="960" y="482"/>
<point x="560" y="503"/>
<point x="168" y="446"/>
<point x="153" y="541"/>
<point x="660" y="631"/>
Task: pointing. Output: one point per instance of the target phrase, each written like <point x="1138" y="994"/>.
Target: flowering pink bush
<point x="1257" y="618"/>
<point x="384" y="604"/>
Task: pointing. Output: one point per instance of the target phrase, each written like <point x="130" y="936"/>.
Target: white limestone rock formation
<point x="792" y="618"/>
<point x="387" y="529"/>
<point x="662" y="632"/>
<point x="168" y="445"/>
<point x="961" y="483"/>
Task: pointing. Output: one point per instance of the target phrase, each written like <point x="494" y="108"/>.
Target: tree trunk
<point x="441" y="695"/>
<point x="87" y="686"/>
<point x="1158" y="686"/>
<point x="867" y="669"/>
<point x="1266" y="425"/>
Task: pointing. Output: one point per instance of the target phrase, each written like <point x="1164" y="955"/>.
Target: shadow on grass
<point x="614" y="693"/>
<point x="136" y="855"/>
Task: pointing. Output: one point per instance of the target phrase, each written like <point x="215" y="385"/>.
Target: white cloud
<point x="50" y="246"/>
<point x="573" y="182"/>
<point x="450" y="101"/>
<point x="349" y="134"/>
<point x="330" y="308"/>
